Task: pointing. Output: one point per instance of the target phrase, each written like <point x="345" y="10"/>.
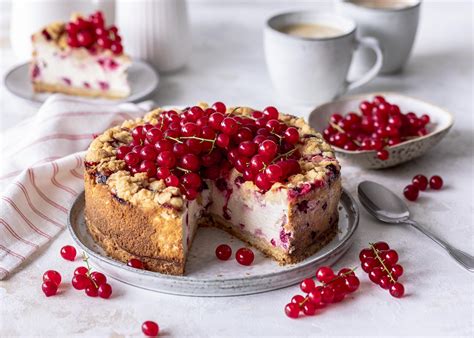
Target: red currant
<point x="52" y="276"/>
<point x="381" y="246"/>
<point x="315" y="296"/>
<point x="420" y="181"/>
<point x="135" y="263"/>
<point x="307" y="285"/>
<point x="80" y="282"/>
<point x="91" y="291"/>
<point x="411" y="192"/>
<point x="292" y="310"/>
<point x="383" y="154"/>
<point x="397" y="290"/>
<point x="98" y="278"/>
<point x="105" y="291"/>
<point x="327" y="295"/>
<point x="352" y="283"/>
<point x="244" y="256"/>
<point x="223" y="252"/>
<point x="68" y="252"/>
<point x="436" y="182"/>
<point x="49" y="288"/>
<point x="309" y="309"/>
<point x="150" y="329"/>
<point x="397" y="270"/>
<point x="325" y="274"/>
<point x="297" y="299"/>
<point x="390" y="257"/>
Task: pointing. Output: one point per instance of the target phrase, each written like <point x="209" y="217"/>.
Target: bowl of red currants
<point x="380" y="130"/>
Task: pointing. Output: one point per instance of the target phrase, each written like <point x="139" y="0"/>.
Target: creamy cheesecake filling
<point x="251" y="213"/>
<point x="79" y="68"/>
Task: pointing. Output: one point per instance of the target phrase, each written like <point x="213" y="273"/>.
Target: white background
<point x="227" y="64"/>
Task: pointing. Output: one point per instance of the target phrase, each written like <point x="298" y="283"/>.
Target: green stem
<point x="376" y="252"/>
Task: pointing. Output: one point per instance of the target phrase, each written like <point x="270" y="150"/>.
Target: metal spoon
<point x="389" y="208"/>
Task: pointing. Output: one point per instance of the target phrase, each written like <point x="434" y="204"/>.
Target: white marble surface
<point x="227" y="64"/>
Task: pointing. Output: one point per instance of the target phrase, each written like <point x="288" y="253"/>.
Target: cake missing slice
<point x="82" y="57"/>
<point x="146" y="198"/>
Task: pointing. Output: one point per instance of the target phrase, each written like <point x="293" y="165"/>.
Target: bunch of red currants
<point x="182" y="148"/>
<point x="380" y="124"/>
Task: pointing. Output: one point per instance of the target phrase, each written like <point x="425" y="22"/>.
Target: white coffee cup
<point x="392" y="22"/>
<point x="313" y="70"/>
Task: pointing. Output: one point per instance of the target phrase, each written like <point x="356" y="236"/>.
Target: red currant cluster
<point x="91" y="31"/>
<point x="380" y="262"/>
<point x="150" y="328"/>
<point x="182" y="148"/>
<point x="244" y="256"/>
<point x="94" y="283"/>
<point x="420" y="183"/>
<point x="381" y="125"/>
<point x="333" y="290"/>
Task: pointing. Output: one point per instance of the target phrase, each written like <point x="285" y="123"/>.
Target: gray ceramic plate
<point x="142" y="77"/>
<point x="206" y="275"/>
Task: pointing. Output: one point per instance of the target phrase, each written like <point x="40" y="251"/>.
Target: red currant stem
<point x="340" y="276"/>
<point x="233" y="110"/>
<point x="85" y="259"/>
<point x="304" y="301"/>
<point x="183" y="170"/>
<point x="288" y="153"/>
<point x="174" y="139"/>
<point x="197" y="138"/>
<point x="338" y="128"/>
<point x="376" y="252"/>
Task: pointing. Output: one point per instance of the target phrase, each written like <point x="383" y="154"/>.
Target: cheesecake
<point x="83" y="57"/>
<point x="265" y="177"/>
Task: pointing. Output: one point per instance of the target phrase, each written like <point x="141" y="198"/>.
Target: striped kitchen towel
<point x="42" y="167"/>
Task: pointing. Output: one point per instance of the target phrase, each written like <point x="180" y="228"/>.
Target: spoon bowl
<point x="382" y="203"/>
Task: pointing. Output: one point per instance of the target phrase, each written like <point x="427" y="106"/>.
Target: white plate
<point x="441" y="122"/>
<point x="142" y="77"/>
<point x="205" y="274"/>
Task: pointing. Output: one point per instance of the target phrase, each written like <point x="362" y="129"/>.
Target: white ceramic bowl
<point x="441" y="122"/>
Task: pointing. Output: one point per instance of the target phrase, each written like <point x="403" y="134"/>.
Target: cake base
<point x="41" y="87"/>
<point x="114" y="250"/>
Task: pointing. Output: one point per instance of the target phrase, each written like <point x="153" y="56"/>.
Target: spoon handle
<point x="463" y="258"/>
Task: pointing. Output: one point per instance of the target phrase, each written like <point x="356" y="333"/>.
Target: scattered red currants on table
<point x="333" y="289"/>
<point x="94" y="283"/>
<point x="68" y="252"/>
<point x="182" y="148"/>
<point x="380" y="262"/>
<point x="150" y="328"/>
<point x="420" y="183"/>
<point x="379" y="125"/>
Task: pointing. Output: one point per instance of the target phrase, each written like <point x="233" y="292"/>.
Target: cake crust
<point x="41" y="87"/>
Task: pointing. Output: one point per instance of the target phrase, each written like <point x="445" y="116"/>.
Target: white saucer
<point x="205" y="274"/>
<point x="142" y="77"/>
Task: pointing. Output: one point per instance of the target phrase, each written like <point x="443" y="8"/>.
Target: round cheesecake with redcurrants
<point x="81" y="57"/>
<point x="263" y="176"/>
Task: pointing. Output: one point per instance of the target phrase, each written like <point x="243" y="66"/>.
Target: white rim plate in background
<point x="208" y="276"/>
<point x="142" y="77"/>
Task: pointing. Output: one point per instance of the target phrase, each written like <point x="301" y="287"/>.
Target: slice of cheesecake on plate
<point x="83" y="57"/>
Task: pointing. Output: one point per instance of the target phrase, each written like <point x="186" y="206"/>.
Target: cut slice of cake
<point x="82" y="57"/>
<point x="267" y="178"/>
